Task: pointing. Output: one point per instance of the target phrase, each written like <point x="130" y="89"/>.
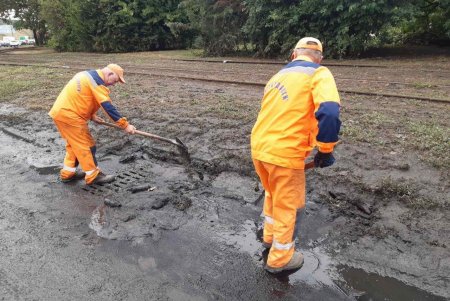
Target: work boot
<point x="77" y="176"/>
<point x="103" y="179"/>
<point x="296" y="262"/>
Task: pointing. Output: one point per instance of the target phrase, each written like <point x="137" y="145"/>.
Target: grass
<point x="32" y="87"/>
<point x="14" y="80"/>
<point x="11" y="87"/>
<point x="405" y="192"/>
<point x="353" y="131"/>
<point x="230" y="108"/>
<point x="366" y="128"/>
<point x="432" y="141"/>
<point x="424" y="86"/>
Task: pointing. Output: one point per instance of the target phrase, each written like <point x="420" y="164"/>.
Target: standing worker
<point x="78" y="103"/>
<point x="299" y="111"/>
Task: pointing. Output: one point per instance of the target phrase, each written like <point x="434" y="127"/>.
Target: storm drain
<point x="124" y="181"/>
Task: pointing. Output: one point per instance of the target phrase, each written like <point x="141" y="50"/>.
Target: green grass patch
<point x="432" y="141"/>
<point x="366" y="128"/>
<point x="10" y="87"/>
<point x="423" y="86"/>
<point x="374" y="119"/>
<point x="32" y="87"/>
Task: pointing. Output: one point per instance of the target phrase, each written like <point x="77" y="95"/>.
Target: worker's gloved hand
<point x="130" y="129"/>
<point x="323" y="159"/>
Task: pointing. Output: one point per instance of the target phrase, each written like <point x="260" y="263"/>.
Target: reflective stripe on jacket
<point x="299" y="110"/>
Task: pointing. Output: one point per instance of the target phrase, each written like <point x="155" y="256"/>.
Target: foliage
<point x="134" y="25"/>
<point x="269" y="28"/>
<point x="28" y="14"/>
<point x="116" y="26"/>
<point x="429" y="22"/>
<point x="68" y="27"/>
<point x="344" y="26"/>
<point x="218" y="24"/>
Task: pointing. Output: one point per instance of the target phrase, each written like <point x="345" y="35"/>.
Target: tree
<point x="428" y="22"/>
<point x="28" y="13"/>
<point x="345" y="26"/>
<point x="115" y="26"/>
<point x="218" y="24"/>
<point x="272" y="26"/>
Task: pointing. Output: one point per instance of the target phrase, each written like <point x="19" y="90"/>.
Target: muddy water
<point x="190" y="237"/>
<point x="374" y="287"/>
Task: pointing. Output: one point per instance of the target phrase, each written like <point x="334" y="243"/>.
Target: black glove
<point x="323" y="159"/>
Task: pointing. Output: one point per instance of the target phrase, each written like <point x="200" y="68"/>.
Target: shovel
<point x="180" y="145"/>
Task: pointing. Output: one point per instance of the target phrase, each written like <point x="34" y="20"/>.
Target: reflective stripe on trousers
<point x="285" y="195"/>
<point x="70" y="169"/>
<point x="80" y="148"/>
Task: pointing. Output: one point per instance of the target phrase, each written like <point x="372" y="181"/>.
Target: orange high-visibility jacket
<point x="299" y="110"/>
<point x="83" y="95"/>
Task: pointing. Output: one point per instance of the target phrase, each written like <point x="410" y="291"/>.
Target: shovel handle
<point x="149" y="135"/>
<point x="309" y="165"/>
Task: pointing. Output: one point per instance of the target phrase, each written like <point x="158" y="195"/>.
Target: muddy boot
<point x="103" y="179"/>
<point x="77" y="176"/>
<point x="296" y="262"/>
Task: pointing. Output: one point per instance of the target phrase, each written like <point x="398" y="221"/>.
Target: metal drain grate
<point x="124" y="180"/>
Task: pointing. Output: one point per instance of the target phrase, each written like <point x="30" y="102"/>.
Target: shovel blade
<point x="183" y="150"/>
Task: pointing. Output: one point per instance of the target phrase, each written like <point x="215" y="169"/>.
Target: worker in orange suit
<point x="75" y="106"/>
<point x="299" y="111"/>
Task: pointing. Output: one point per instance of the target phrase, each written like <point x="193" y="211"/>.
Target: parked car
<point x="31" y="41"/>
<point x="4" y="44"/>
<point x="14" y="43"/>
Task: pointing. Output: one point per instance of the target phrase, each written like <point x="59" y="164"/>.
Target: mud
<point x="174" y="231"/>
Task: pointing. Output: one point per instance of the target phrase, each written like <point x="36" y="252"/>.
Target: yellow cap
<point x="309" y="43"/>
<point x="117" y="70"/>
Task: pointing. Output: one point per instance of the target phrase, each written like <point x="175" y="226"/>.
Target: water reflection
<point x="100" y="221"/>
<point x="371" y="286"/>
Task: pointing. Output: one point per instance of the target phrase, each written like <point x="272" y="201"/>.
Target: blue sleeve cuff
<point x="111" y="110"/>
<point x="329" y="124"/>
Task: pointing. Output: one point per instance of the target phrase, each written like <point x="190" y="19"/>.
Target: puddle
<point x="319" y="270"/>
<point x="316" y="270"/>
<point x="100" y="222"/>
<point x="372" y="287"/>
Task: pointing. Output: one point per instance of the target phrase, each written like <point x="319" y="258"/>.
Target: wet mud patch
<point x="199" y="260"/>
<point x="236" y="187"/>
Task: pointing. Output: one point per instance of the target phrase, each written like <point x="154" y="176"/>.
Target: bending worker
<point x="299" y="111"/>
<point x="78" y="103"/>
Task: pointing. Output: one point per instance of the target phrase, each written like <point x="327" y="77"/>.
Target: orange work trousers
<point x="284" y="202"/>
<point x="80" y="149"/>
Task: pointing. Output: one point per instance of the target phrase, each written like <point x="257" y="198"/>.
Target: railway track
<point x="231" y="61"/>
<point x="324" y="64"/>
<point x="234" y="82"/>
<point x="266" y="75"/>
